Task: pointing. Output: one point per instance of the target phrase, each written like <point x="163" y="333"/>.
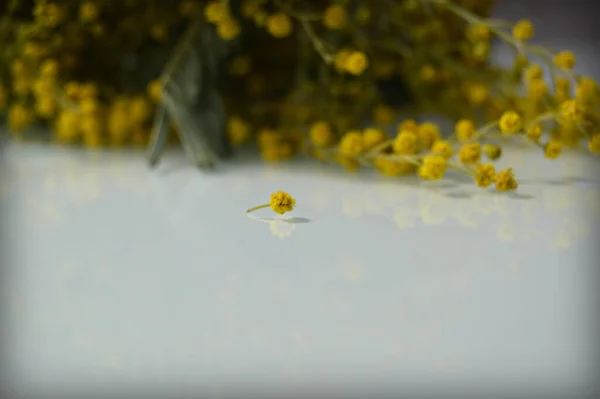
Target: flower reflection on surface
<point x="435" y="211"/>
<point x="281" y="228"/>
<point x="352" y="268"/>
<point x="352" y="207"/>
<point x="404" y="218"/>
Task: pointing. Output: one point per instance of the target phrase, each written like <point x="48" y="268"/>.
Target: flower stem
<point x="257" y="208"/>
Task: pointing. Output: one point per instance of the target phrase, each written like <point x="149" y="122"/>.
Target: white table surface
<point x="120" y="276"/>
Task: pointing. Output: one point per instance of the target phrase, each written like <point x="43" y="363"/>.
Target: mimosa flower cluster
<point x="307" y="78"/>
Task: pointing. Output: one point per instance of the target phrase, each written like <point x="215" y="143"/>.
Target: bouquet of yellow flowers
<point x="344" y="81"/>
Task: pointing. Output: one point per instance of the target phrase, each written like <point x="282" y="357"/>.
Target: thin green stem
<point x="257" y="208"/>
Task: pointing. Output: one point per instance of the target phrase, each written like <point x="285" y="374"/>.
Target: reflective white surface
<point x="122" y="275"/>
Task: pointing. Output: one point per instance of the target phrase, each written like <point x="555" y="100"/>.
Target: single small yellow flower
<point x="478" y="94"/>
<point x="140" y="110"/>
<point x="356" y="63"/>
<point x="443" y="148"/>
<point x="537" y="89"/>
<point x="406" y="142"/>
<point x="279" y="25"/>
<point x="478" y="32"/>
<point x="594" y="144"/>
<point x="510" y="122"/>
<point x="159" y="32"/>
<point x="534" y="132"/>
<point x="373" y="137"/>
<point x="351" y="144"/>
<point x="470" y="153"/>
<point x="534" y="72"/>
<point x="89" y="106"/>
<point x="88" y="90"/>
<point x="238" y="131"/>
<point x="154" y="90"/>
<point x="486" y="173"/>
<point x="321" y="134"/>
<point x="587" y="91"/>
<point x="481" y="51"/>
<point x="67" y="126"/>
<point x="570" y="110"/>
<point x="552" y="149"/>
<point x="278" y="152"/>
<point x="505" y="180"/>
<point x="72" y="90"/>
<point x="19" y="68"/>
<point x="428" y="133"/>
<point x="228" y="28"/>
<point x="523" y="30"/>
<point x="46" y="106"/>
<point x="49" y="68"/>
<point x="408" y="124"/>
<point x="19" y="117"/>
<point x="251" y="7"/>
<point x="428" y="73"/>
<point x="89" y="11"/>
<point x="492" y="151"/>
<point x="564" y="60"/>
<point x="281" y="202"/>
<point x="22" y="86"/>
<point x="465" y="130"/>
<point x="433" y="167"/>
<point x="339" y="60"/>
<point x="216" y="11"/>
<point x="336" y="17"/>
<point x="384" y="115"/>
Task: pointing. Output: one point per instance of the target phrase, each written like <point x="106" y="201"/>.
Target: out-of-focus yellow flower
<point x="523" y="30"/>
<point x="442" y="148"/>
<point x="510" y="122"/>
<point x="470" y="153"/>
<point x="335" y="17"/>
<point x="238" y="130"/>
<point x="19" y="117"/>
<point x="321" y="134"/>
<point x="216" y="11"/>
<point x="465" y="129"/>
<point x="552" y="149"/>
<point x="433" y="167"/>
<point x="428" y="133"/>
<point x="492" y="151"/>
<point x="140" y="110"/>
<point x="485" y="175"/>
<point x="594" y="144"/>
<point x="356" y="63"/>
<point x="406" y="142"/>
<point x="279" y="25"/>
<point x="228" y="28"/>
<point x="154" y="90"/>
<point x="534" y="132"/>
<point x="564" y="60"/>
<point x="351" y="144"/>
<point x="373" y="137"/>
<point x="505" y="180"/>
<point x="89" y="11"/>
